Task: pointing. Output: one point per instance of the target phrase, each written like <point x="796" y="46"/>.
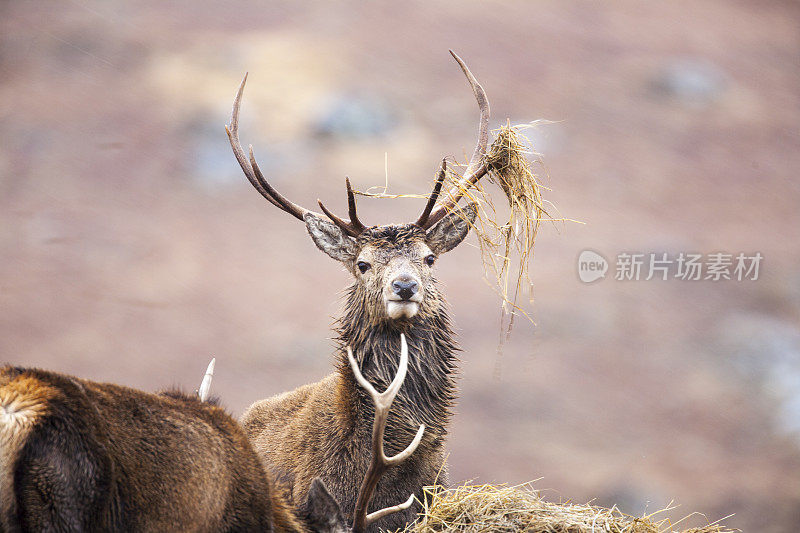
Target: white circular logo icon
<point x="591" y="266"/>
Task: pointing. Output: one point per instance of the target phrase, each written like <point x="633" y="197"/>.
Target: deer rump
<point x="83" y="456"/>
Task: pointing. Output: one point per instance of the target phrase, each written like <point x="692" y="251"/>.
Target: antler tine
<point x="351" y="208"/>
<point x="346" y="226"/>
<point x="353" y="227"/>
<point x="423" y="218"/>
<point x="476" y="168"/>
<point x="205" y="385"/>
<point x="380" y="463"/>
<point x="233" y="136"/>
<point x="250" y="167"/>
<point x="483" y="105"/>
<point x="377" y="515"/>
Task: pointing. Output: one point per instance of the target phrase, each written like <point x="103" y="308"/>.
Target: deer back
<point x="80" y="455"/>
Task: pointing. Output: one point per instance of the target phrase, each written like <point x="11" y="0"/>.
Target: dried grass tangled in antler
<point x="507" y="242"/>
<point x="512" y="171"/>
<point x="500" y="508"/>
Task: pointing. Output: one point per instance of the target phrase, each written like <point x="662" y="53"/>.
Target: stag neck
<point x="429" y="390"/>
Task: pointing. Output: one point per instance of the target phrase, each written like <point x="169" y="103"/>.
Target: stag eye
<point x="430" y="260"/>
<point x="363" y="266"/>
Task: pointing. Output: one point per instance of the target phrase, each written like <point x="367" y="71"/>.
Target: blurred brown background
<point x="132" y="249"/>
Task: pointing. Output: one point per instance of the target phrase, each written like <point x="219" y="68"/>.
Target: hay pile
<point x="493" y="508"/>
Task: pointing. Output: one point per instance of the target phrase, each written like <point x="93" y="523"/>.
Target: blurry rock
<point x="631" y="498"/>
<point x="766" y="351"/>
<point x="212" y="162"/>
<point x="694" y="82"/>
<point x="793" y="288"/>
<point x="354" y="117"/>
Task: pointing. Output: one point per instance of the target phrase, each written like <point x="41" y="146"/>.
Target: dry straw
<point x="506" y="235"/>
<point x="504" y="239"/>
<point x="502" y="508"/>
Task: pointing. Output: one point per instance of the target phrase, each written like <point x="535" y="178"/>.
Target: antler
<point x="422" y="221"/>
<point x="205" y="385"/>
<point x="256" y="178"/>
<point x="380" y="463"/>
<point x="353" y="227"/>
<point x="476" y="168"/>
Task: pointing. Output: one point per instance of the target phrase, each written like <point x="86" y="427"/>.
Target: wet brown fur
<point x="84" y="456"/>
<point x="324" y="429"/>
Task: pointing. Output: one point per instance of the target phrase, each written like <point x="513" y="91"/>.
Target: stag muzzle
<point x="402" y="296"/>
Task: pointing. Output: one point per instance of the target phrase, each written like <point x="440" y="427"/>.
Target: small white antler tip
<point x="417" y="439"/>
<point x="408" y="502"/>
<point x="205" y="385"/>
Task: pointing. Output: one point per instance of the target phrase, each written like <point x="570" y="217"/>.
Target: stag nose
<point x="405" y="287"/>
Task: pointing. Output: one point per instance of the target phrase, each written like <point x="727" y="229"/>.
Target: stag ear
<point x="451" y="230"/>
<point x="330" y="238"/>
<point x="321" y="510"/>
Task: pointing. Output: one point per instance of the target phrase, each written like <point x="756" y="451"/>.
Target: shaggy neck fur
<point x="428" y="392"/>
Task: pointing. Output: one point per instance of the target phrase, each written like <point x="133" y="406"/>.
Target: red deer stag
<point x="76" y="455"/>
<point x="323" y="429"/>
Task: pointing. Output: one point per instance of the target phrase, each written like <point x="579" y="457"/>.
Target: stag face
<point x="393" y="265"/>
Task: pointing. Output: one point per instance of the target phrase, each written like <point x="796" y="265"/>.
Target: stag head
<point x="392" y="264"/>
